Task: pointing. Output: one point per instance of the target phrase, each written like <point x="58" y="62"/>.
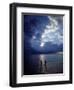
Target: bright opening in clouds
<point x="42" y="44"/>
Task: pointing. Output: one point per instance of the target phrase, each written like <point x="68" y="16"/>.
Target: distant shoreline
<point x="48" y="53"/>
<point x="60" y="52"/>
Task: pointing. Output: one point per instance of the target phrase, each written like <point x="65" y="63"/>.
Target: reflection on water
<point x="43" y="64"/>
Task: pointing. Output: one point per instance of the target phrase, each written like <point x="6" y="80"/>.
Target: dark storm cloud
<point x="43" y="33"/>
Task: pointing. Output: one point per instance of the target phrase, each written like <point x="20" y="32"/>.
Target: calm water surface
<point x="43" y="64"/>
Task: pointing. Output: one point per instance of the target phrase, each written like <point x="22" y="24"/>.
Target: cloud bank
<point x="43" y="33"/>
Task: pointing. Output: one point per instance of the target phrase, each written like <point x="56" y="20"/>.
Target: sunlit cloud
<point x="51" y="33"/>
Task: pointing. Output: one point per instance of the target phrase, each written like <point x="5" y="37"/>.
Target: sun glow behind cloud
<point x="42" y="44"/>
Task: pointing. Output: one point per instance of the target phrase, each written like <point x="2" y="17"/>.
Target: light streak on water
<point x="42" y="60"/>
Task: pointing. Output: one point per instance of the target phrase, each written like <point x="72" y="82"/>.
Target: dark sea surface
<point x="43" y="64"/>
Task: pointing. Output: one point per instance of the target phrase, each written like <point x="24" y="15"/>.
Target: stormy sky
<point x="43" y="33"/>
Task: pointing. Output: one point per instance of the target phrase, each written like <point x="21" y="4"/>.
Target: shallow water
<point x="43" y="64"/>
